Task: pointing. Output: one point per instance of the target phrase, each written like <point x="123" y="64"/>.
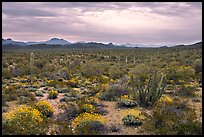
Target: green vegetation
<point x="85" y="91"/>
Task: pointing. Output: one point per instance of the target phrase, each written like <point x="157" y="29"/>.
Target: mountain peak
<point x="55" y="39"/>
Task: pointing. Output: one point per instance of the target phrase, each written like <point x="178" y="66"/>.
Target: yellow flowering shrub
<point x="88" y="117"/>
<point x="135" y="112"/>
<point x="127" y="101"/>
<point x="73" y="82"/>
<point x="104" y="79"/>
<point x="24" y="120"/>
<point x="88" y="108"/>
<point x="44" y="107"/>
<point x="97" y="95"/>
<point x="133" y="117"/>
<point x="52" y="94"/>
<point x="88" y="124"/>
<point x="188" y="89"/>
<point x="87" y="82"/>
<point x="126" y="97"/>
<point x="165" y="99"/>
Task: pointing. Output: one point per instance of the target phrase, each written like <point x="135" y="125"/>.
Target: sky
<point x="159" y="23"/>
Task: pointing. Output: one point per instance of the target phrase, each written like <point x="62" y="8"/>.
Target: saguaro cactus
<point x="150" y="94"/>
<point x="31" y="66"/>
<point x="134" y="60"/>
<point x="126" y="60"/>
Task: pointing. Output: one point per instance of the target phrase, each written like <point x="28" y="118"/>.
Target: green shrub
<point x="39" y="93"/>
<point x="133" y="117"/>
<point x="187" y="89"/>
<point x="89" y="128"/>
<point x="71" y="109"/>
<point x="132" y="120"/>
<point x="32" y="89"/>
<point x="173" y="119"/>
<point x="88" y="108"/>
<point x="52" y="94"/>
<point x="4" y="109"/>
<point x="127" y="101"/>
<point x="198" y="66"/>
<point x="24" y="100"/>
<point x="23" y="121"/>
<point x="112" y="92"/>
<point x="88" y="124"/>
<point x="6" y="73"/>
<point x="44" y="107"/>
<point x="141" y="72"/>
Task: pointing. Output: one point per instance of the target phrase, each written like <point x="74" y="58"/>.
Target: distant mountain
<point x="61" y="43"/>
<point x="139" y="45"/>
<point x="195" y="45"/>
<point x="53" y="41"/>
<point x="11" y="42"/>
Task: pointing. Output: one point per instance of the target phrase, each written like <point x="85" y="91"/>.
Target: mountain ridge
<point x="61" y="43"/>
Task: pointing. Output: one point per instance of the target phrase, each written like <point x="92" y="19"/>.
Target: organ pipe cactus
<point x="150" y="94"/>
<point x="31" y="65"/>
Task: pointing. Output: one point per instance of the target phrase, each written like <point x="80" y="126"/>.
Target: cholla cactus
<point x="31" y="65"/>
<point x="134" y="60"/>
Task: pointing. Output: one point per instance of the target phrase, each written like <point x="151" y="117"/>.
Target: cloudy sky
<point x="120" y="22"/>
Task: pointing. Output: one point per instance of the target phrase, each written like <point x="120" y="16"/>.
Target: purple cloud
<point x="121" y="22"/>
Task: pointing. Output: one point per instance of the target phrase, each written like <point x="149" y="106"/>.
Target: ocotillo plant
<point x="31" y="66"/>
<point x="150" y="94"/>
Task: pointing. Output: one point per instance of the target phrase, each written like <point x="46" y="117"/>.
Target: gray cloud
<point x="24" y="21"/>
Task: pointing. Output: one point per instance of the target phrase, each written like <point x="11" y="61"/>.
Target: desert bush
<point x="23" y="121"/>
<point x="198" y="69"/>
<point x="4" y="109"/>
<point x="52" y="94"/>
<point x="6" y="73"/>
<point x="71" y="109"/>
<point x="88" y="123"/>
<point x="64" y="128"/>
<point x="73" y="82"/>
<point x="115" y="128"/>
<point x="39" y="63"/>
<point x="133" y="117"/>
<point x="24" y="100"/>
<point x="126" y="101"/>
<point x="165" y="99"/>
<point x="39" y="93"/>
<point x="88" y="108"/>
<point x="187" y="89"/>
<point x="176" y="118"/>
<point x="112" y="92"/>
<point x="32" y="89"/>
<point x="180" y="74"/>
<point x="132" y="120"/>
<point x="198" y="66"/>
<point x="44" y="107"/>
<point x="12" y="93"/>
<point x="141" y="72"/>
